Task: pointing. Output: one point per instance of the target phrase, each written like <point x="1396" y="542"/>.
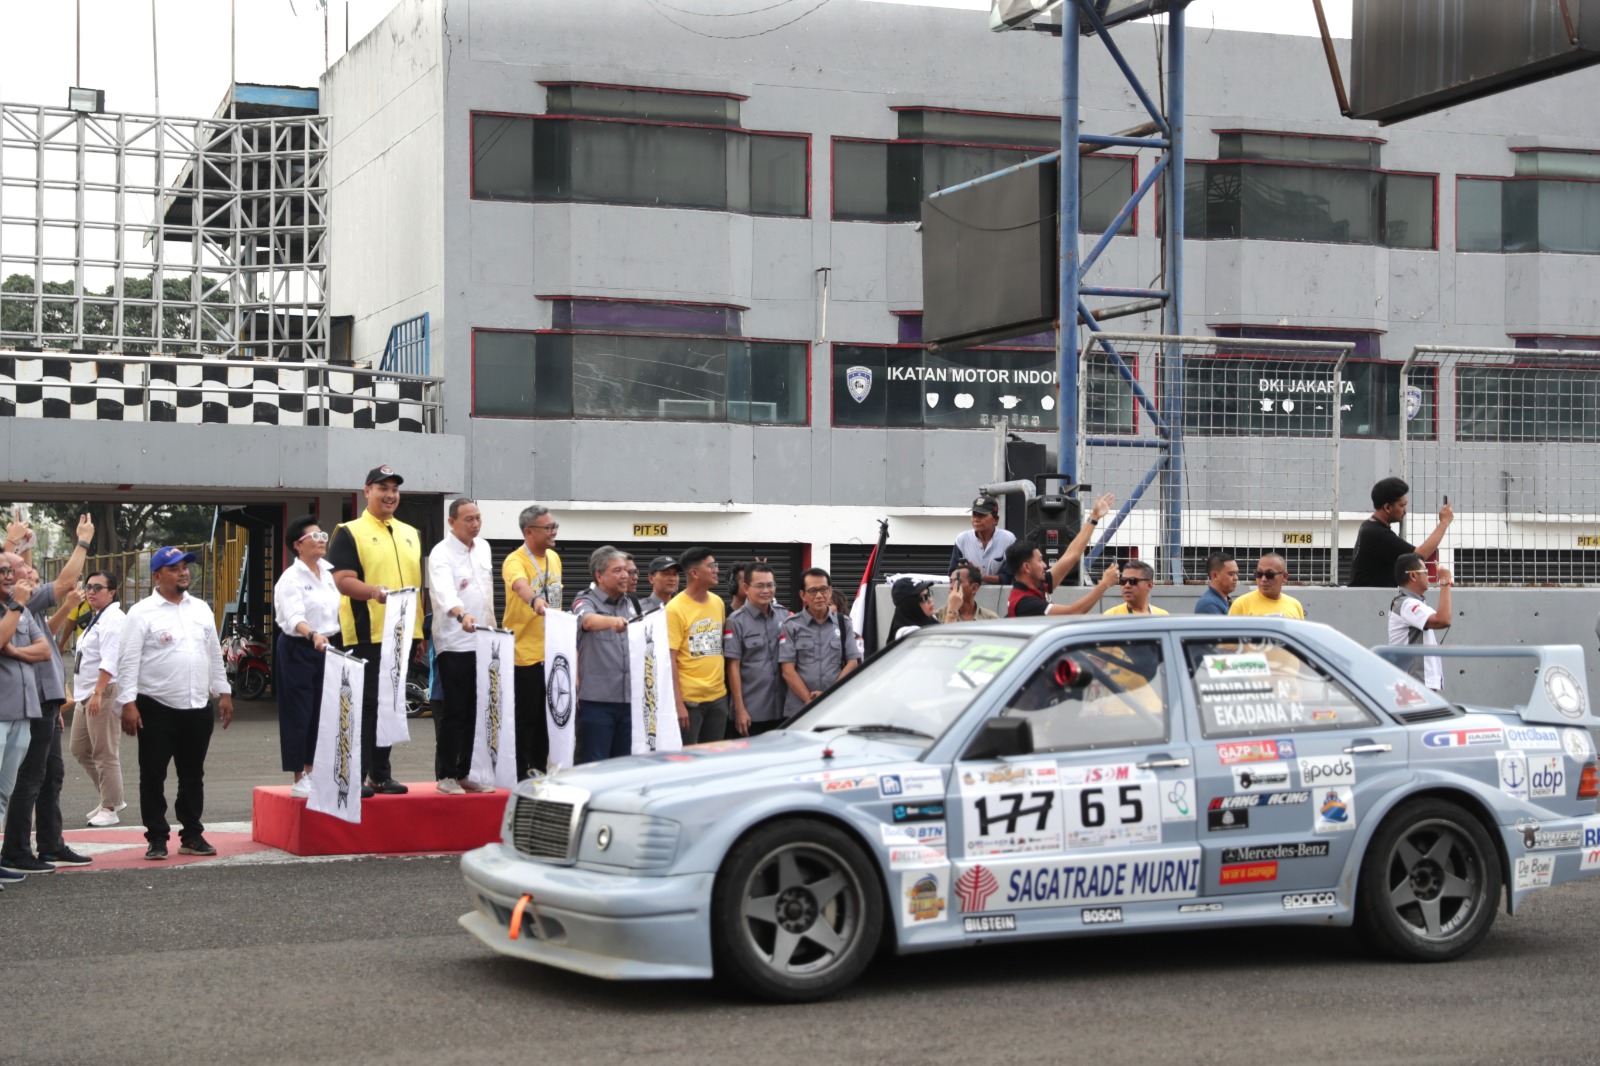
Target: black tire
<point x="417" y="701"/>
<point x="1429" y="884"/>
<point x="252" y="683"/>
<point x="771" y="934"/>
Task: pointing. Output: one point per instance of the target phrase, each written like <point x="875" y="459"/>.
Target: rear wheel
<point x="251" y="683"/>
<point x="1429" y="884"/>
<point x="796" y="912"/>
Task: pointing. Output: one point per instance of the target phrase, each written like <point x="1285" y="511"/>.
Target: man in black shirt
<point x="1378" y="546"/>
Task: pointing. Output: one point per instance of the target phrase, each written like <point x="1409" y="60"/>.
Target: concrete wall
<point x="1482" y="617"/>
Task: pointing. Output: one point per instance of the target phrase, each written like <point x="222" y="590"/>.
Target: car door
<point x="1288" y="757"/>
<point x="1097" y="824"/>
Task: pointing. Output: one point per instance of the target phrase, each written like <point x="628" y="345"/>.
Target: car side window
<point x="1250" y="685"/>
<point x="1096" y="696"/>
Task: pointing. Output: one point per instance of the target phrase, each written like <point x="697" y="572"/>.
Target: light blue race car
<point x="1028" y="779"/>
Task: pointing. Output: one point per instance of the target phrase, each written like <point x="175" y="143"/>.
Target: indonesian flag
<point x="864" y="612"/>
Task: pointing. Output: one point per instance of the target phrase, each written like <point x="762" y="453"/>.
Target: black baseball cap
<point x="663" y="562"/>
<point x="986" y="504"/>
<point x="384" y="473"/>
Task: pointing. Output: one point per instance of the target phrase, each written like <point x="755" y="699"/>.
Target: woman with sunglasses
<point x="97" y="722"/>
<point x="305" y="604"/>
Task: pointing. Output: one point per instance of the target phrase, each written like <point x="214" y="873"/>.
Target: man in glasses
<point x="815" y="647"/>
<point x="532" y="576"/>
<point x="461" y="585"/>
<point x="1378" y="546"/>
<point x="1268" y="600"/>
<point x="1412" y="621"/>
<point x="750" y="645"/>
<point x="1137" y="579"/>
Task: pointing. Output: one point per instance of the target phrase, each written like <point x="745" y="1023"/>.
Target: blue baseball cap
<point x="170" y="557"/>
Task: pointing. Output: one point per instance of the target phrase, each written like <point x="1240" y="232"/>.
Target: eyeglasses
<point x="926" y="597"/>
<point x="5" y="569"/>
<point x="765" y="586"/>
<point x="97" y="588"/>
<point x="318" y="537"/>
<point x="551" y="526"/>
<point x="823" y="591"/>
<point x="1416" y="571"/>
<point x="1133" y="580"/>
<point x="1270" y="574"/>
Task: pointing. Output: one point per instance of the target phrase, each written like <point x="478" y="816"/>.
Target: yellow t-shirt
<point x="1255" y="605"/>
<point x="1122" y="608"/>
<point x="545" y="578"/>
<point x="694" y="632"/>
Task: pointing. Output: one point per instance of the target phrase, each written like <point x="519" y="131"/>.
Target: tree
<point x="56" y="327"/>
<point x="121" y="527"/>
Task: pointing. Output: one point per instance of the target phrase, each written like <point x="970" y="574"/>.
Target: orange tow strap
<point x="516" y="915"/>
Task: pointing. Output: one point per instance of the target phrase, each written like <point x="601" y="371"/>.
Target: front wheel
<point x="251" y="684"/>
<point x="1429" y="883"/>
<point x="796" y="912"/>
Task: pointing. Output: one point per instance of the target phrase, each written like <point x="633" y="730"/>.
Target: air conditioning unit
<point x="744" y="411"/>
<point x="687" y="410"/>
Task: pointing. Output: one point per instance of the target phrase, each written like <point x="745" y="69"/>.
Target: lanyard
<point x="541" y="573"/>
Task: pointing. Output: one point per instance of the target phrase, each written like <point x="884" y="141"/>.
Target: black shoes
<point x="390" y="787"/>
<point x="65" y="857"/>
<point x="27" y="864"/>
<point x="156" y="850"/>
<point x="196" y="846"/>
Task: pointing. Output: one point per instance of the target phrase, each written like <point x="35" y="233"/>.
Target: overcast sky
<point x="281" y="43"/>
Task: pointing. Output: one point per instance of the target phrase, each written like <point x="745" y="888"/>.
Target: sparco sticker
<point x="1302" y="901"/>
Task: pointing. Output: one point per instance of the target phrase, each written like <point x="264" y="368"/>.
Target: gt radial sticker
<point x="910" y="784"/>
<point x="1335" y="811"/>
<point x="1533" y="871"/>
<point x="1010" y="809"/>
<point x="922" y="896"/>
<point x="1261" y="777"/>
<point x="1513" y="773"/>
<point x="1128" y="877"/>
<point x="1464" y="737"/>
<point x="1116" y="806"/>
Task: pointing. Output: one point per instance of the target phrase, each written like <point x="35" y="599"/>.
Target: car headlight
<point x="635" y="841"/>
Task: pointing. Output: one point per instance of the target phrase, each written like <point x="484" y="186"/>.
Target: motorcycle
<point x="244" y="659"/>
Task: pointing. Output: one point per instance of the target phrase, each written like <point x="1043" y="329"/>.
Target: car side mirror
<point x="1000" y="737"/>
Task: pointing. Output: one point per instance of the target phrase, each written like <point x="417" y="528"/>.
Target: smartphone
<point x="1447" y="501"/>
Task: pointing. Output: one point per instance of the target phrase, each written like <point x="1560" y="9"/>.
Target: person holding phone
<point x="1378" y="546"/>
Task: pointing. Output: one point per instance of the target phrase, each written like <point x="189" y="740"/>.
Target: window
<point x="1292" y="188"/>
<point x="906" y="386"/>
<point x="1259" y="686"/>
<point x="1528" y="214"/>
<point x="1096" y="696"/>
<point x="630" y="146"/>
<point x="1528" y="404"/>
<point x="638" y="377"/>
<point x="886" y="181"/>
<point x="1245" y="396"/>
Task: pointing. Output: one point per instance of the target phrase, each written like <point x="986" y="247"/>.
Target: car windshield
<point x="916" y="688"/>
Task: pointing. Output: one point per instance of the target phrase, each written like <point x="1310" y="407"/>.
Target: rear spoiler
<point x="1560" y="693"/>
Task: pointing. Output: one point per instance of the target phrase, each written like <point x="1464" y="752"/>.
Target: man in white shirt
<point x="461" y="584"/>
<point x="95" y="734"/>
<point x="169" y="665"/>
<point x="1412" y="621"/>
<point x="985" y="544"/>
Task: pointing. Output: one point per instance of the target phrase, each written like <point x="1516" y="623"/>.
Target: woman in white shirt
<point x="305" y="604"/>
<point x="97" y="722"/>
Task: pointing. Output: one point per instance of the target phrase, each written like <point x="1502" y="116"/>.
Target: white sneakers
<point x="449" y="786"/>
<point x="472" y="786"/>
<point x="302" y="787"/>
<point x="101" y="817"/>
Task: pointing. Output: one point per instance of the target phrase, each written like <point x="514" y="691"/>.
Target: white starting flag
<point x="336" y="766"/>
<point x="394" y="661"/>
<point x="494" y="735"/>
<point x="655" y="708"/>
<point x="560" y="685"/>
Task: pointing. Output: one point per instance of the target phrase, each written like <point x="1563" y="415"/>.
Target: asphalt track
<point x="361" y="961"/>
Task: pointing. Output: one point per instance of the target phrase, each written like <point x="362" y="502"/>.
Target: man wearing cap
<point x="815" y="647"/>
<point x="169" y="666"/>
<point x="984" y="545"/>
<point x="750" y="645"/>
<point x="370" y="555"/>
<point x="663" y="584"/>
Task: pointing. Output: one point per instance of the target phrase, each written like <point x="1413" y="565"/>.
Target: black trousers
<point x="298" y="680"/>
<point x="457" y="713"/>
<point x="181" y="738"/>
<point x="533" y="736"/>
<point x="38" y="788"/>
<point x="374" y="760"/>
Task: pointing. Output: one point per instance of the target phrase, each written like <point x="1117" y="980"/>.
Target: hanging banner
<point x="394" y="660"/>
<point x="655" y="708"/>
<point x="560" y="685"/>
<point x="494" y="734"/>
<point x="336" y="765"/>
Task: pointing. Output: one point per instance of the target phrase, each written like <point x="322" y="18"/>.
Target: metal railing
<point x="142" y="388"/>
<point x="406" y="351"/>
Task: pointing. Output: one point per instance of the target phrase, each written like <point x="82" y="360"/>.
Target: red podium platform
<point x="422" y="821"/>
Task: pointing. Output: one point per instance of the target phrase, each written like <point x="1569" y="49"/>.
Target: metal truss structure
<point x="149" y="234"/>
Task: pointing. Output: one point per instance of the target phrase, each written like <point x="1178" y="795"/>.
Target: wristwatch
<point x="83" y="544"/>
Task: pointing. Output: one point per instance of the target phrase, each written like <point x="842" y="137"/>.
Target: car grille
<point x="542" y="828"/>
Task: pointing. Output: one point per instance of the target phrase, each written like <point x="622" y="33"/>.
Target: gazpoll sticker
<point x="910" y="784"/>
<point x="1237" y="751"/>
<point x="1577" y="743"/>
<point x="1513" y="773"/>
<point x="1252" y="664"/>
<point x="1335" y="810"/>
<point x="1177" y="800"/>
<point x="923" y="896"/>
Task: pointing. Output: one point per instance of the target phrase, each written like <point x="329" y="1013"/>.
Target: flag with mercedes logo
<point x="560" y="685"/>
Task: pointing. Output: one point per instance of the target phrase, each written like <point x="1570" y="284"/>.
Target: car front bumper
<point x="607" y="925"/>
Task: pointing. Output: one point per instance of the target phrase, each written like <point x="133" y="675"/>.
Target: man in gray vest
<point x="750" y="645"/>
<point x="1412" y="621"/>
